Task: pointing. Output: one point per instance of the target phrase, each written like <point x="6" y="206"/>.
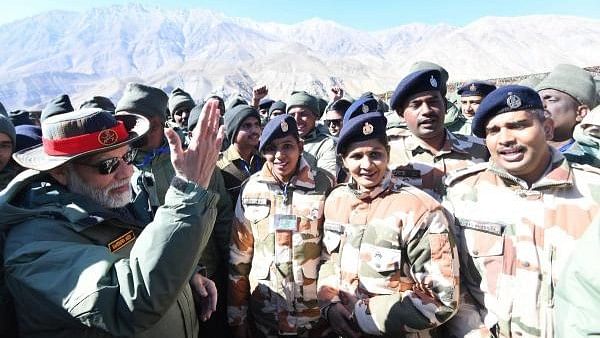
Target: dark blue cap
<point x="28" y="136"/>
<point x="476" y="88"/>
<point x="365" y="104"/>
<point x="360" y="128"/>
<point x="416" y="82"/>
<point x="265" y="103"/>
<point x="278" y="127"/>
<point x="504" y="99"/>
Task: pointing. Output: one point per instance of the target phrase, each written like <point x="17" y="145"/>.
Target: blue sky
<point x="360" y="14"/>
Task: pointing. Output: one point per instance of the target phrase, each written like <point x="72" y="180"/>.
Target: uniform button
<point x="526" y="264"/>
<point x="518" y="333"/>
<point x="475" y="252"/>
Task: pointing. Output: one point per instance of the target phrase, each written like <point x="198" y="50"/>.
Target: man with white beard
<point x="82" y="259"/>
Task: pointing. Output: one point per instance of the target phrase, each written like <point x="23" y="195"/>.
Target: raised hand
<point x="197" y="162"/>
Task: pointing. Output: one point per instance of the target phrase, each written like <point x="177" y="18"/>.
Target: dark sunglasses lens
<point x="108" y="166"/>
<point x="130" y="156"/>
<point x="334" y="122"/>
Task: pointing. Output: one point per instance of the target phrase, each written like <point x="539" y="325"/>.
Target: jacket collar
<point x="304" y="177"/>
<point x="451" y="144"/>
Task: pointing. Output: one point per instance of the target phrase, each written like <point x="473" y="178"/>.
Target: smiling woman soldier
<point x="391" y="266"/>
<point x="276" y="241"/>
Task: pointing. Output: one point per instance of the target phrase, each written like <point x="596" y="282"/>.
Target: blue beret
<point x="360" y="128"/>
<point x="475" y="88"/>
<point x="504" y="99"/>
<point x="28" y="136"/>
<point x="416" y="82"/>
<point x="365" y="104"/>
<point x="278" y="127"/>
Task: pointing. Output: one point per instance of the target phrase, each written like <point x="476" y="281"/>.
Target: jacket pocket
<point x="379" y="268"/>
<point x="309" y="209"/>
<point x="332" y="235"/>
<point x="261" y="269"/>
<point x="256" y="213"/>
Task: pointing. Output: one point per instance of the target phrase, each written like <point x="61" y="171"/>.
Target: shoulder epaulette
<point x="460" y="174"/>
<point x="585" y="167"/>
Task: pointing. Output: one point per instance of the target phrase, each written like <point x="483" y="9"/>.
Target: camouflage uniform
<point x="319" y="150"/>
<point x="514" y="242"/>
<point x="235" y="170"/>
<point x="273" y="273"/>
<point x="418" y="166"/>
<point x="391" y="248"/>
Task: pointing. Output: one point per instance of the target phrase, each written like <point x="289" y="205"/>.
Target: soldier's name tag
<point x="285" y="222"/>
<point x="410" y="176"/>
<point x="490" y="228"/>
<point x="121" y="241"/>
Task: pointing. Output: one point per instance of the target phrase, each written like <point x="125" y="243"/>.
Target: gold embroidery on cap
<point x="121" y="241"/>
<point x="107" y="137"/>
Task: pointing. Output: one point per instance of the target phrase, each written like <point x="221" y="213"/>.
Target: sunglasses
<point x="106" y="167"/>
<point x="336" y="122"/>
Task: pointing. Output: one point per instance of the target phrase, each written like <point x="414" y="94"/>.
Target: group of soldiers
<point x="420" y="216"/>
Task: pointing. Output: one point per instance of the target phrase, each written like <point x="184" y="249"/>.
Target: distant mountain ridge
<point x="97" y="52"/>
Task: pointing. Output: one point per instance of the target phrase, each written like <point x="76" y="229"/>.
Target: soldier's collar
<point x="558" y="173"/>
<point x="371" y="194"/>
<point x="451" y="144"/>
<point x="303" y="178"/>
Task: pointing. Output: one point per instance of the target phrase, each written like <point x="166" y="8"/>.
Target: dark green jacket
<point x="65" y="280"/>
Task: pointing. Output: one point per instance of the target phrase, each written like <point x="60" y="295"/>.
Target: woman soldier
<point x="276" y="241"/>
<point x="391" y="265"/>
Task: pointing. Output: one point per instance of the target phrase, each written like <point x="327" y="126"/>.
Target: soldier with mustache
<point x="429" y="152"/>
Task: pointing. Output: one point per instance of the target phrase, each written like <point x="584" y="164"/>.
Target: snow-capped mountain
<point x="97" y="52"/>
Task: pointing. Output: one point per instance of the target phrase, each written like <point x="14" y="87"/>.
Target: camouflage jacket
<point x="320" y="148"/>
<point x="273" y="272"/>
<point x="461" y="125"/>
<point x="235" y="170"/>
<point x="415" y="163"/>
<point x="391" y="248"/>
<point x="514" y="241"/>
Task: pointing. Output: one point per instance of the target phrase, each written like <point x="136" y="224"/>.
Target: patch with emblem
<point x="433" y="82"/>
<point x="284" y="127"/>
<point x="365" y="108"/>
<point x="490" y="228"/>
<point x="513" y="101"/>
<point x="107" y="137"/>
<point x="367" y="129"/>
<point x="121" y="241"/>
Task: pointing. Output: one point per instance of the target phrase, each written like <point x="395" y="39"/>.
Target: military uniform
<point x="153" y="174"/>
<point x="275" y="252"/>
<point x="515" y="241"/>
<point x="76" y="269"/>
<point x="415" y="164"/>
<point x="321" y="150"/>
<point x="392" y="249"/>
<point x="236" y="170"/>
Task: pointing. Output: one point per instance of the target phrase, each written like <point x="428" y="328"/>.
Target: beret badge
<point x="365" y="108"/>
<point x="284" y="127"/>
<point x="367" y="129"/>
<point x="472" y="87"/>
<point x="513" y="101"/>
<point x="433" y="82"/>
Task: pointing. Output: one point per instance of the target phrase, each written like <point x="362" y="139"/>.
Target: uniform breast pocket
<point x="379" y="268"/>
<point x="309" y="209"/>
<point x="483" y="239"/>
<point x="332" y="235"/>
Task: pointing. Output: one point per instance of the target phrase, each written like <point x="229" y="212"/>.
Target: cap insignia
<point x="367" y="128"/>
<point x="513" y="101"/>
<point x="433" y="82"/>
<point x="472" y="87"/>
<point x="284" y="127"/>
<point x="365" y="108"/>
<point x="107" y="137"/>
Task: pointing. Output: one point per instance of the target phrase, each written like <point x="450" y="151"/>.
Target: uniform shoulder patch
<point x="461" y="174"/>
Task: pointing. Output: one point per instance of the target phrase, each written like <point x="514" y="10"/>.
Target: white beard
<point x="101" y="196"/>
